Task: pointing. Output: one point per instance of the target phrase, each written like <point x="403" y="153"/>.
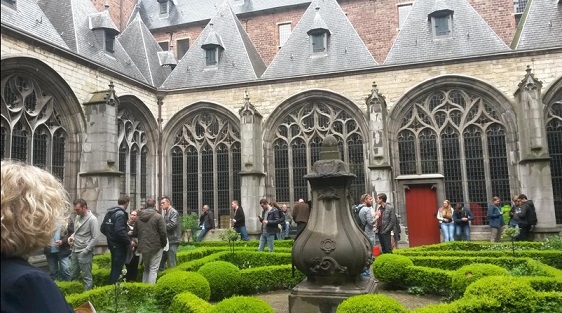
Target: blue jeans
<point x="243" y="233"/>
<point x="202" y="234"/>
<point x="118" y="259"/>
<point x="448" y="230"/>
<point x="59" y="266"/>
<point x="462" y="229"/>
<point x="266" y="237"/>
<point x="284" y="233"/>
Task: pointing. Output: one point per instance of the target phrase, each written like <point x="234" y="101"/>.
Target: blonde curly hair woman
<point x="33" y="204"/>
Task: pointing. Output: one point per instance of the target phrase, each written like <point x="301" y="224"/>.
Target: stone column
<point x="378" y="148"/>
<point x="252" y="176"/>
<point x="99" y="178"/>
<point x="534" y="164"/>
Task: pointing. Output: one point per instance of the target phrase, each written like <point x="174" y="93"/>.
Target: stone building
<point x="208" y="101"/>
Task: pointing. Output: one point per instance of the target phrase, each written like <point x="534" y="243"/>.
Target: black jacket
<point x="26" y="288"/>
<point x="273" y="219"/>
<point x="239" y="217"/>
<point x="117" y="231"/>
<point x="207" y="219"/>
<point x="64" y="248"/>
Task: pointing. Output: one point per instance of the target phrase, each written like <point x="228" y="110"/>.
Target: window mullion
<point x="463" y="167"/>
<point x="487" y="172"/>
<point x="290" y="165"/>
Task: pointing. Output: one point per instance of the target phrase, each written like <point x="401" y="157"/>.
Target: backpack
<point x="531" y="215"/>
<point x="355" y="212"/>
<point x="108" y="225"/>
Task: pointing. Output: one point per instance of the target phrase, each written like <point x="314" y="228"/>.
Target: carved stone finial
<point x="375" y="99"/>
<point x="528" y="70"/>
<point x="248" y="111"/>
<point x="111" y="86"/>
<point x="329" y="149"/>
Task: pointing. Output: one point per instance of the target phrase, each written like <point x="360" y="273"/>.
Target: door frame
<point x="402" y="183"/>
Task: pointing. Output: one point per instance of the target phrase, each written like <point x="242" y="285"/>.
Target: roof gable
<point x="238" y="61"/>
<point x="541" y="26"/>
<point x="471" y="35"/>
<point x="72" y="19"/>
<point x="143" y="50"/>
<point x="345" y="49"/>
<point x="29" y="18"/>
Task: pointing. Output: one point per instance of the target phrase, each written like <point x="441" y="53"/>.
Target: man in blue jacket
<point x="496" y="220"/>
<point x="115" y="228"/>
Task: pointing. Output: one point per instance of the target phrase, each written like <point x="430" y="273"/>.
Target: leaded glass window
<point x="298" y="139"/>
<point x="205" y="159"/>
<point x="457" y="133"/>
<point x="554" y="135"/>
<point x="133" y="154"/>
<point x="31" y="125"/>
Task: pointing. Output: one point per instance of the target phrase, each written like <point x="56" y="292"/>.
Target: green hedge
<point x="262" y="279"/>
<point x="241" y="304"/>
<point x="241" y="243"/>
<point x="134" y="293"/>
<point x="249" y="259"/>
<point x="431" y="280"/>
<point x="186" y="302"/>
<point x="175" y="282"/>
<point x="468" y="274"/>
<point x="452" y="263"/>
<point x="514" y="295"/>
<point x="391" y="268"/>
<point x="474" y="246"/>
<point x="223" y="278"/>
<point x="70" y="287"/>
<point x="370" y="303"/>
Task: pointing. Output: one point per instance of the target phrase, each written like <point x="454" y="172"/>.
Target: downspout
<point x="159" y="160"/>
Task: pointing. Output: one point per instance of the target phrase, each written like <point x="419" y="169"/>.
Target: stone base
<point x="308" y="297"/>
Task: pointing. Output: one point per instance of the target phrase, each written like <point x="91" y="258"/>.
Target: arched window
<point x="554" y="135"/>
<point x="297" y="144"/>
<point x="133" y="154"/>
<point x="457" y="133"/>
<point x="36" y="135"/>
<point x="205" y="162"/>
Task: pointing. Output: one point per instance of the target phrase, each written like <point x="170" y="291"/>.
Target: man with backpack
<point x="115" y="229"/>
<point x="526" y="217"/>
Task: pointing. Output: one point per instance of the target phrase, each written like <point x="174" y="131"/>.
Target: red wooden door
<point x="421" y="210"/>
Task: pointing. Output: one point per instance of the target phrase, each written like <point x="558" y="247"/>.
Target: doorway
<point x="421" y="209"/>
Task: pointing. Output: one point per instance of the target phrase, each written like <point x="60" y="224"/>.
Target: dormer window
<point x="9" y="3"/>
<point x="163" y="8"/>
<point x="441" y="23"/>
<point x="319" y="34"/>
<point x="212" y="56"/>
<point x="319" y="42"/>
<point x="109" y="42"/>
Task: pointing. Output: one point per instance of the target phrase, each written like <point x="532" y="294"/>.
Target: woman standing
<point x="445" y="217"/>
<point x="133" y="256"/>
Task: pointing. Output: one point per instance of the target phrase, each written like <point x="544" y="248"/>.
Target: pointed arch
<point x="463" y="129"/>
<point x="553" y="114"/>
<point x="200" y="144"/>
<point x="293" y="136"/>
<point x="33" y="93"/>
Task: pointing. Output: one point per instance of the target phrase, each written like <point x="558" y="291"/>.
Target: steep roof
<point x="345" y="49"/>
<point x="541" y="26"/>
<point x="28" y="17"/>
<point x="143" y="50"/>
<point x="239" y="61"/>
<point x="183" y="12"/>
<point x="72" y="19"/>
<point x="471" y="35"/>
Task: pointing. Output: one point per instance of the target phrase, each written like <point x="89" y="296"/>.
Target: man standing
<point x="385" y="223"/>
<point x="83" y="242"/>
<point x="206" y="222"/>
<point x="173" y="229"/>
<point x="115" y="229"/>
<point x="58" y="253"/>
<point x="301" y="213"/>
<point x="150" y="229"/>
<point x="286" y="224"/>
<point x="269" y="219"/>
<point x="239" y="220"/>
<point x="521" y="215"/>
<point x="496" y="220"/>
<point x="367" y="216"/>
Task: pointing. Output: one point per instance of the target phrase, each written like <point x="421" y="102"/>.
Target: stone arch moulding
<point x="68" y="105"/>
<point x="143" y="113"/>
<point x="551" y="92"/>
<point x="501" y="103"/>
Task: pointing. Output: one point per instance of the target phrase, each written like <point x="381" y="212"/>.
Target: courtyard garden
<point x="227" y="276"/>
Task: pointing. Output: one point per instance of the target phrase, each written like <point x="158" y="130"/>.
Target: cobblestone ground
<point x="279" y="300"/>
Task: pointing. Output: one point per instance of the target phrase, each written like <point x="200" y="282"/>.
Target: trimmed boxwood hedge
<point x="431" y="280"/>
<point x="468" y="274"/>
<point x="513" y="294"/>
<point x="104" y="296"/>
<point x="223" y="278"/>
<point x="242" y="304"/>
<point x="391" y="268"/>
<point x="370" y="303"/>
<point x="70" y="287"/>
<point x="175" y="282"/>
<point x="186" y="302"/>
<point x="267" y="278"/>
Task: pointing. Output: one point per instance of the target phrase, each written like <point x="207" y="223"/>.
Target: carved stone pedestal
<point x="316" y="298"/>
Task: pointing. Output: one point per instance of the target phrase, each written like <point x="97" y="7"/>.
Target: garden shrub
<point x="548" y="302"/>
<point x="267" y="278"/>
<point x="553" y="243"/>
<point x="101" y="276"/>
<point x="223" y="278"/>
<point x="513" y="294"/>
<point x="70" y="287"/>
<point x="453" y="263"/>
<point x="544" y="283"/>
<point x="132" y="293"/>
<point x="186" y="302"/>
<point x="370" y="303"/>
<point x="391" y="268"/>
<point x="102" y="260"/>
<point x="241" y="304"/>
<point x="430" y="280"/>
<point x="248" y="259"/>
<point x="468" y="274"/>
<point x="434" y="308"/>
<point x="176" y="282"/>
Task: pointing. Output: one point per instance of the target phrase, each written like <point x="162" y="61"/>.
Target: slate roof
<point x="542" y="26"/>
<point x="71" y="18"/>
<point x="28" y="17"/>
<point x="143" y="50"/>
<point x="184" y="11"/>
<point x="239" y="61"/>
<point x="346" y="51"/>
<point x="471" y="35"/>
